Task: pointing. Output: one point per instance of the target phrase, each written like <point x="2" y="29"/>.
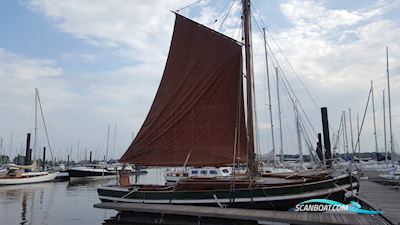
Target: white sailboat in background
<point x="18" y="174"/>
<point x="383" y="170"/>
<point x="29" y="173"/>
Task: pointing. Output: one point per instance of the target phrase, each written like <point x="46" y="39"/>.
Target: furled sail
<point x="198" y="113"/>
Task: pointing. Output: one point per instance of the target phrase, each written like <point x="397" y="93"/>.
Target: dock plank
<point x="380" y="197"/>
<point x="241" y="214"/>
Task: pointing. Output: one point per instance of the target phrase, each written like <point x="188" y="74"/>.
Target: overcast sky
<point x="99" y="63"/>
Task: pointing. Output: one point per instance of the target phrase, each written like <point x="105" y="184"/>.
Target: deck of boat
<point x="245" y="214"/>
<point x="383" y="198"/>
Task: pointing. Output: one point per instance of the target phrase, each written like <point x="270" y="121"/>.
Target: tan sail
<point x="198" y="111"/>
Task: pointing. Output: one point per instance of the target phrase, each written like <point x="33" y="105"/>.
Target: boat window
<point x="203" y="172"/>
<point x="213" y="172"/>
<point x="225" y="171"/>
<point x="195" y="172"/>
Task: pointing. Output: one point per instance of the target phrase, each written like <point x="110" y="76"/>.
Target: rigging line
<point x="304" y="129"/>
<point x="285" y="77"/>
<point x="44" y="124"/>
<point x="307" y="142"/>
<point x="188" y="6"/>
<point x="256" y="13"/>
<point x="284" y="56"/>
<point x="294" y="71"/>
<point x="291" y="89"/>
<point x="226" y="15"/>
<point x="236" y="25"/>
<point x="338" y="134"/>
<point x="289" y="109"/>
<point x="297" y="76"/>
<point x="362" y="122"/>
<point x="306" y="134"/>
<point x="336" y="140"/>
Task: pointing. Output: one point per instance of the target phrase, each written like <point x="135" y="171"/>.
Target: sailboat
<point x="29" y="172"/>
<point x="19" y="174"/>
<point x="197" y="119"/>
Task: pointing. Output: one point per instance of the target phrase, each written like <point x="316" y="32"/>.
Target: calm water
<point x="60" y="203"/>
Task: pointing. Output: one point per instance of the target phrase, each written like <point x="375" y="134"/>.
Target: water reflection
<point x="149" y="218"/>
<point x="71" y="202"/>
<point x="50" y="203"/>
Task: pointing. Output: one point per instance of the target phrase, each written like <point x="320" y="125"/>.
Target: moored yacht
<point x="17" y="174"/>
<point x="197" y="119"/>
<point x="91" y="171"/>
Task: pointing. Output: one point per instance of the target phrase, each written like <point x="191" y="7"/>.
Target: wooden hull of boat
<point x="28" y="180"/>
<point x="275" y="198"/>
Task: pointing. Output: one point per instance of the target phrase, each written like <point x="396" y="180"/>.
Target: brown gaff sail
<point x="198" y="108"/>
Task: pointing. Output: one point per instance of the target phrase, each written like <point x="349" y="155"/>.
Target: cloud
<point x="335" y="51"/>
<point x="115" y="24"/>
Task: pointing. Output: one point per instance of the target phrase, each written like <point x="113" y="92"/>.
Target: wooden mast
<point x="249" y="85"/>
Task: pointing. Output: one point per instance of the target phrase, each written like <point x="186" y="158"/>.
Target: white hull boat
<point x="28" y="178"/>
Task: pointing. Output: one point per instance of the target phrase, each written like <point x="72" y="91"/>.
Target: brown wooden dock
<point x="245" y="214"/>
<point x="383" y="198"/>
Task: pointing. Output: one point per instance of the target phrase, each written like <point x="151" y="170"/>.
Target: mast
<point x="359" y="137"/>
<point x="108" y="139"/>
<point x="269" y="93"/>
<point x="1" y="150"/>
<point x="298" y="134"/>
<point x="249" y="85"/>
<point x="384" y="126"/>
<point x="115" y="140"/>
<point x="35" y="134"/>
<point x="351" y="135"/>
<point x="279" y="115"/>
<point x="373" y="114"/>
<point x="390" y="105"/>
<point x="78" y="151"/>
<point x="346" y="140"/>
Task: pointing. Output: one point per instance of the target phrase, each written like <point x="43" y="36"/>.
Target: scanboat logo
<point x="323" y="205"/>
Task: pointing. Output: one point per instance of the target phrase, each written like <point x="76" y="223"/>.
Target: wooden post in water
<point x="44" y="159"/>
<point x="28" y="144"/>
<point x="327" y="141"/>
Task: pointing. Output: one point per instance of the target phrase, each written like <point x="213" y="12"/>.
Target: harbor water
<point x="60" y="203"/>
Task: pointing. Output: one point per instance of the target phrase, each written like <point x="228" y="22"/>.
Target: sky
<point x="99" y="63"/>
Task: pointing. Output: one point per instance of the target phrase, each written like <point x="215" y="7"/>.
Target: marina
<point x="211" y="124"/>
<point x="49" y="203"/>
